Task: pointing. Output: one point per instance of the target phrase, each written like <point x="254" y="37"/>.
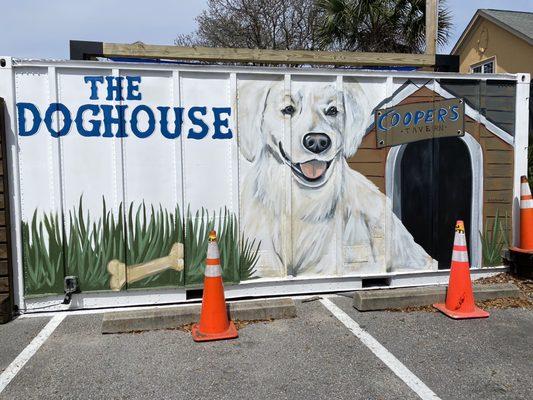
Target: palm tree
<point x="378" y="25"/>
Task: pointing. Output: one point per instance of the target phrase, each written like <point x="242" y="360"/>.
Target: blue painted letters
<point x="109" y="120"/>
<point x="21" y="113"/>
<point x="67" y="119"/>
<point x="198" y="122"/>
<point x="222" y="122"/>
<point x="95" y="131"/>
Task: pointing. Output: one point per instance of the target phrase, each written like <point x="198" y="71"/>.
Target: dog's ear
<point x="357" y="116"/>
<point x="251" y="100"/>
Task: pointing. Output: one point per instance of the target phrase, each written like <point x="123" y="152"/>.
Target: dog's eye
<point x="289" y="110"/>
<point x="332" y="111"/>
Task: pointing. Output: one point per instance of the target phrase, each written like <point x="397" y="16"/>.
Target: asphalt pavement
<point x="313" y="356"/>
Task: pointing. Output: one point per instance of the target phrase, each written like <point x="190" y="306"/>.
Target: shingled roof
<point x="519" y="23"/>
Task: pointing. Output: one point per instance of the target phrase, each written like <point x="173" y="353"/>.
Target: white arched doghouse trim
<point x="393" y="185"/>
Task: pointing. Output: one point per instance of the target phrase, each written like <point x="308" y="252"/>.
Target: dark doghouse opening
<point x="436" y="191"/>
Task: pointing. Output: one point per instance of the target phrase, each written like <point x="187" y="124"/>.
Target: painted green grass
<point x="493" y="240"/>
<point x="238" y="256"/>
<point x="150" y="234"/>
<point x="139" y="235"/>
<point x="43" y="255"/>
<point x="90" y="245"/>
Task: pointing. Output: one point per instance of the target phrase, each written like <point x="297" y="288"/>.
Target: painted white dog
<point x="313" y="214"/>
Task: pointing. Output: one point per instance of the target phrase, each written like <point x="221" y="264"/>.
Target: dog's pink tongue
<point x="313" y="169"/>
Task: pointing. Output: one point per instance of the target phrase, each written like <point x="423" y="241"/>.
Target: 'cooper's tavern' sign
<point x="419" y="121"/>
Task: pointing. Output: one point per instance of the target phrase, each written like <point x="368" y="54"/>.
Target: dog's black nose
<point x="317" y="142"/>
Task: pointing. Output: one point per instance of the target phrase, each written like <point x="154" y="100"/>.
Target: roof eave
<point x="481" y="13"/>
<point x="508" y="28"/>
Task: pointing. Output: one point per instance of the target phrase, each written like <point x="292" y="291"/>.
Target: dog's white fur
<point x="337" y="225"/>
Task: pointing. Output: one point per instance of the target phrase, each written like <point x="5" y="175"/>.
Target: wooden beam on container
<point x="431" y="26"/>
<point x="216" y="54"/>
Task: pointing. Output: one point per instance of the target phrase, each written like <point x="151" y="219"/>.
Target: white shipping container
<point x="113" y="164"/>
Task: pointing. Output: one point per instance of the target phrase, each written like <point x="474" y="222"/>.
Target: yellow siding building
<point x="496" y="41"/>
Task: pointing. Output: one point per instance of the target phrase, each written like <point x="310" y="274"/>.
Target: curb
<point x="373" y="300"/>
<point x="173" y="317"/>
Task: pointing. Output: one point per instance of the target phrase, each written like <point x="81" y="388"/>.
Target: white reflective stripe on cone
<point x="461" y="256"/>
<point x="460" y="239"/>
<point x="212" y="250"/>
<point x="526" y="203"/>
<point x="212" y="271"/>
<point x="525" y="189"/>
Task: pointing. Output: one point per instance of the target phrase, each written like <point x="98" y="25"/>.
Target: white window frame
<point x="482" y="65"/>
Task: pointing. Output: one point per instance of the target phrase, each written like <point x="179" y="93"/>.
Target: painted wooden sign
<point x="419" y="121"/>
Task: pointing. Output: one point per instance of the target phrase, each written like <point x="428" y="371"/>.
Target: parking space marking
<point x="382" y="353"/>
<point x="25" y="355"/>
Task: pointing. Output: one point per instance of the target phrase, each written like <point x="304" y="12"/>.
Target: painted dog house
<point x="119" y="170"/>
<point x="478" y="164"/>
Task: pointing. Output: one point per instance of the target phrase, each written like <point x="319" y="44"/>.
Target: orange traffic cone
<point x="214" y="323"/>
<point x="521" y="258"/>
<point x="526" y="215"/>
<point x="460" y="297"/>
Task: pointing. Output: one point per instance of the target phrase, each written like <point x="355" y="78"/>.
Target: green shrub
<point x="493" y="240"/>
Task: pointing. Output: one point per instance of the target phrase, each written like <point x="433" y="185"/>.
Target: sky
<point x="43" y="28"/>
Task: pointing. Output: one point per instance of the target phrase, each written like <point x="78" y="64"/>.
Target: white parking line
<point x="382" y="353"/>
<point x="12" y="370"/>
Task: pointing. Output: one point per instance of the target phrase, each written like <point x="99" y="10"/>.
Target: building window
<point x="486" y="67"/>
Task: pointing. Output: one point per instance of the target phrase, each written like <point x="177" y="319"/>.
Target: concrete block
<point x="172" y="317"/>
<point x="151" y="319"/>
<point x="496" y="291"/>
<point x="382" y="299"/>
<point x="263" y="309"/>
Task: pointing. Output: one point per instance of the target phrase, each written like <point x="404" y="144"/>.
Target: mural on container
<point x="159" y="245"/>
<point x="327" y="196"/>
<point x="302" y="211"/>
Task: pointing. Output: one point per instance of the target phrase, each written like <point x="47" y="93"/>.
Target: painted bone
<point x="122" y="274"/>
